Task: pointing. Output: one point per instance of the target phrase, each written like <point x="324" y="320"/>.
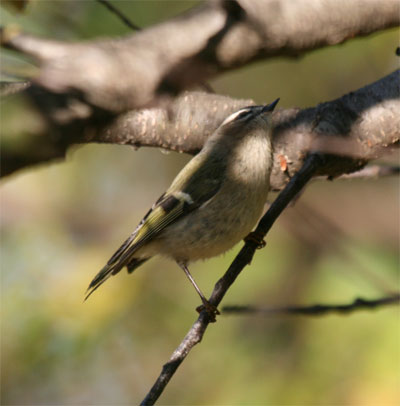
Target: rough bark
<point x="134" y="71"/>
<point x="354" y="129"/>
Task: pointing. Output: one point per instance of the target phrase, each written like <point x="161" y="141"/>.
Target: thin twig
<point x="195" y="334"/>
<point x="119" y="14"/>
<point x="316" y="310"/>
<point x="369" y="172"/>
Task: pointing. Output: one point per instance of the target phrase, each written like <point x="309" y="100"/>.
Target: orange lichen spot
<point x="283" y="163"/>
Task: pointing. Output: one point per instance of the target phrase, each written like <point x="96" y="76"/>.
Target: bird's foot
<point x="210" y="309"/>
<point x="256" y="238"/>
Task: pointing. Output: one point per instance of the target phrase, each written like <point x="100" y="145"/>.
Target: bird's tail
<point x="112" y="268"/>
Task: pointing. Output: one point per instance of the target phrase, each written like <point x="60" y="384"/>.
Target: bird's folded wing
<point x="180" y="199"/>
<point x="184" y="196"/>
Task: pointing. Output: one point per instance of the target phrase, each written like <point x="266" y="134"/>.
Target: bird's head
<point x="249" y="118"/>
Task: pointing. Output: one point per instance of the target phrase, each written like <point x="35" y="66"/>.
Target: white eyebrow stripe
<point x="234" y="115"/>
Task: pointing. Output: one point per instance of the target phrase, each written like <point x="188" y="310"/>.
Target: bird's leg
<point x="211" y="310"/>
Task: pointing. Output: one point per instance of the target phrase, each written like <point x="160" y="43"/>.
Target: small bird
<point x="213" y="203"/>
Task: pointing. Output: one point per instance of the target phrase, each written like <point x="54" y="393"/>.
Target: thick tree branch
<point x="355" y="128"/>
<point x="195" y="334"/>
<point x="315" y="310"/>
<point x="133" y="71"/>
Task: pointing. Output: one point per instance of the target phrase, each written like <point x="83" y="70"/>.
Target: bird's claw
<point x="256" y="238"/>
<point x="211" y="310"/>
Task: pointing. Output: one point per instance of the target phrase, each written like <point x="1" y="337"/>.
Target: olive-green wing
<point x="169" y="208"/>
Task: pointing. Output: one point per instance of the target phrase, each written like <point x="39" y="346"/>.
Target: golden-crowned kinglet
<point x="212" y="204"/>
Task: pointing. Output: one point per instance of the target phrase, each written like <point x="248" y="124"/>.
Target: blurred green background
<point x="60" y="223"/>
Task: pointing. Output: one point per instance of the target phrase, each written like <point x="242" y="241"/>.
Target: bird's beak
<point x="270" y="107"/>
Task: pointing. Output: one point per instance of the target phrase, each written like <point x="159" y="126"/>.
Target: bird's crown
<point x="246" y="114"/>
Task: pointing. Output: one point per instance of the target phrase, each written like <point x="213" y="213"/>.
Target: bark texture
<point x="133" y="71"/>
<point x="353" y="129"/>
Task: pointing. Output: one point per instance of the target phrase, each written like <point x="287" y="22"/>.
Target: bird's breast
<point x="229" y="216"/>
<point x="252" y="161"/>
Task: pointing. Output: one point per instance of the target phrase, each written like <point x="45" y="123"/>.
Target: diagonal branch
<point x="315" y="310"/>
<point x="195" y="334"/>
